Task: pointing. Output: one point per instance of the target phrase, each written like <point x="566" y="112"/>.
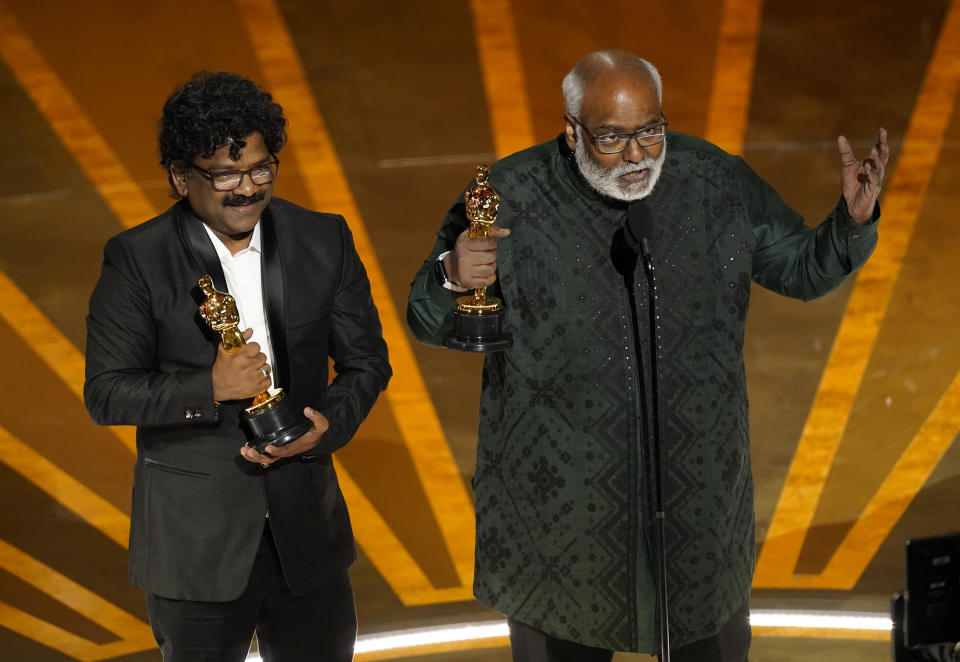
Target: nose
<point x="634" y="153"/>
<point x="247" y="187"/>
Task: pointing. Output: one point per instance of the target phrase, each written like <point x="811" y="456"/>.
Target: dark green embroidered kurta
<point x="562" y="481"/>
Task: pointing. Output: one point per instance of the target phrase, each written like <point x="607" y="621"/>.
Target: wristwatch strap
<point x="440" y="273"/>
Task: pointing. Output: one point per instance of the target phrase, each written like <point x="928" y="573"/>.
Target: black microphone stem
<point x="659" y="514"/>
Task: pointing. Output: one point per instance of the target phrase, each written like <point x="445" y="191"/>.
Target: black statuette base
<point x="478" y="332"/>
<point x="276" y="426"/>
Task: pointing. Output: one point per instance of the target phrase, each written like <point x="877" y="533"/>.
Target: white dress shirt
<point x="242" y="272"/>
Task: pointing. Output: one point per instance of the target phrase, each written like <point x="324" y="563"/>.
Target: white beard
<point x="607" y="181"/>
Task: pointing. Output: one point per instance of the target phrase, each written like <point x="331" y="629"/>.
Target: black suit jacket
<point x="198" y="506"/>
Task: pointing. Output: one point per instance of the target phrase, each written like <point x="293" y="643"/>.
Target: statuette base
<point x="274" y="423"/>
<point x="478" y="332"/>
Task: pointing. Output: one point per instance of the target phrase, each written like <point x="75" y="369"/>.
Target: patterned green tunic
<point x="562" y="481"/>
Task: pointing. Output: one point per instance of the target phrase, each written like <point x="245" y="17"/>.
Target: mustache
<point x="243" y="200"/>
<point x="627" y="168"/>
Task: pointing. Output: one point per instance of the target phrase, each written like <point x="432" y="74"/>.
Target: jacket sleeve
<point x="794" y="259"/>
<point x="358" y="351"/>
<point x="430" y="306"/>
<point x="123" y="385"/>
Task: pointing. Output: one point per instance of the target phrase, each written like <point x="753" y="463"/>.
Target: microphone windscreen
<point x="640" y="225"/>
<point x="623" y="253"/>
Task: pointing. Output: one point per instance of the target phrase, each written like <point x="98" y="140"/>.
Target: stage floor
<point x="855" y="398"/>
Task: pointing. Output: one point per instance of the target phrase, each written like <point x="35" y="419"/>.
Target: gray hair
<point x="593" y="65"/>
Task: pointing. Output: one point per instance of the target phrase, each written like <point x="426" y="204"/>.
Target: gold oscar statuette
<point x="478" y="319"/>
<point x="269" y="416"/>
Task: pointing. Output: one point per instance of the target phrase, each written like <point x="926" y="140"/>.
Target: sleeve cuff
<point x="850" y="224"/>
<point x="197" y="391"/>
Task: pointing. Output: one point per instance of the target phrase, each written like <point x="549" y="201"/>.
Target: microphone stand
<point x="659" y="514"/>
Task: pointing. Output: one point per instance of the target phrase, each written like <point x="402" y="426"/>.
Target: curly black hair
<point x="212" y="110"/>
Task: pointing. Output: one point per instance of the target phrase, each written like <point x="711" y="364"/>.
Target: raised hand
<point x="861" y="181"/>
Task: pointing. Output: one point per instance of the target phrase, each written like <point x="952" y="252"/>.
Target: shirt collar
<point x="256" y="243"/>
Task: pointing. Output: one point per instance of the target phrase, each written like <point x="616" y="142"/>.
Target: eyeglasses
<point x="614" y="143"/>
<point x="228" y="180"/>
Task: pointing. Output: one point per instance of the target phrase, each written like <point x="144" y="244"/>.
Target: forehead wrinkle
<point x="620" y="128"/>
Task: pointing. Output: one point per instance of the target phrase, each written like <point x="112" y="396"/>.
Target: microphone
<point x="639" y="232"/>
<point x="633" y="239"/>
<point x="640" y="226"/>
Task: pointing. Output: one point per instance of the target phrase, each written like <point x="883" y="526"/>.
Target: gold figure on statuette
<point x="269" y="416"/>
<point x="478" y="318"/>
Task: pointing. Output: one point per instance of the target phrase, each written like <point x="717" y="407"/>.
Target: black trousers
<point x="320" y="626"/>
<point x="731" y="644"/>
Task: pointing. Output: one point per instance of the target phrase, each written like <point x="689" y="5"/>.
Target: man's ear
<point x="179" y="181"/>
<point x="570" y="131"/>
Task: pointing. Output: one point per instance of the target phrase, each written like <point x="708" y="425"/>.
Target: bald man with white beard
<point x="565" y="536"/>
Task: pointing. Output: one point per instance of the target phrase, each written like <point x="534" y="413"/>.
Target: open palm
<point x="861" y="181"/>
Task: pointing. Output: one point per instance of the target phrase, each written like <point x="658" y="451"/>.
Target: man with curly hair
<point x="226" y="540"/>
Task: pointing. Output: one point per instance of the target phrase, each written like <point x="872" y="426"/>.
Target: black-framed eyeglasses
<point x="228" y="180"/>
<point x="614" y="143"/>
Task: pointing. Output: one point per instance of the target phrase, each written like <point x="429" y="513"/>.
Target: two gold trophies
<point x="478" y="327"/>
<point x="270" y="418"/>
<point x="478" y="319"/>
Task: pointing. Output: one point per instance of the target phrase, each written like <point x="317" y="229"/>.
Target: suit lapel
<point x="273" y="296"/>
<point x="196" y="243"/>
